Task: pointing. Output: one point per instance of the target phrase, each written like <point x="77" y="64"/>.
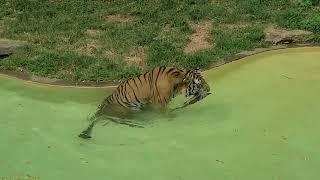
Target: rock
<point x="7" y="46"/>
<point x="283" y="36"/>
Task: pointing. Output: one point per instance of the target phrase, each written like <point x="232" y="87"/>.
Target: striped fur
<point x="153" y="89"/>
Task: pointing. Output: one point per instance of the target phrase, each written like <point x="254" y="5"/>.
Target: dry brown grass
<point x="120" y="18"/>
<point x="137" y="57"/>
<point x="200" y="38"/>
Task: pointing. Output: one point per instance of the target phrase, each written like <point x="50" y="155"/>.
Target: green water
<point x="261" y="123"/>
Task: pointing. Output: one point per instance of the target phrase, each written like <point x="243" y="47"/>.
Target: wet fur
<point x="153" y="89"/>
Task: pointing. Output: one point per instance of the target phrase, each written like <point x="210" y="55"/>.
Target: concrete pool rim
<point x="19" y="75"/>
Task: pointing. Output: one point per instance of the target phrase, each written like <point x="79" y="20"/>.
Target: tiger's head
<point x="195" y="84"/>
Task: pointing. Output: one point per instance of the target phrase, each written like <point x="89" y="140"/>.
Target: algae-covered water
<point x="262" y="123"/>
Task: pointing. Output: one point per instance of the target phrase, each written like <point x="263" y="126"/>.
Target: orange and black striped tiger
<point x="153" y="89"/>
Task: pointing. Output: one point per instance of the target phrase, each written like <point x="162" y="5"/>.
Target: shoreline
<point x="111" y="84"/>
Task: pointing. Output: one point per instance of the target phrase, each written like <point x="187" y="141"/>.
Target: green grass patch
<point x="59" y="44"/>
<point x="312" y="23"/>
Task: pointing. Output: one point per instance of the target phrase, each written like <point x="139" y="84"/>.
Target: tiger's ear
<point x="197" y="69"/>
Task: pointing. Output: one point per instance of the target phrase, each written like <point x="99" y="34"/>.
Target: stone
<point x="8" y="46"/>
<point x="277" y="36"/>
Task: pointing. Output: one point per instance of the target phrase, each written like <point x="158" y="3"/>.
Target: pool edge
<point x="23" y="76"/>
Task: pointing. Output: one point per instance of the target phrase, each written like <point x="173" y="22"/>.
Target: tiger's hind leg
<point x="124" y="122"/>
<point x="86" y="133"/>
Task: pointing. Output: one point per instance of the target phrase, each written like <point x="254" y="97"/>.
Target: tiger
<point x="155" y="89"/>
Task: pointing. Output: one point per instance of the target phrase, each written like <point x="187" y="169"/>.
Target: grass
<point x="59" y="44"/>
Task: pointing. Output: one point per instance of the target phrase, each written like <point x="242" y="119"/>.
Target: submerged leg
<point x="86" y="133"/>
<point x="191" y="101"/>
<point x="124" y="122"/>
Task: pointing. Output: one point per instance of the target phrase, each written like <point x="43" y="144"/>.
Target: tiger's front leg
<point x="163" y="108"/>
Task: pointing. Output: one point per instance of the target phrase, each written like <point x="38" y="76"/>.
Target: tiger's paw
<point x="84" y="135"/>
